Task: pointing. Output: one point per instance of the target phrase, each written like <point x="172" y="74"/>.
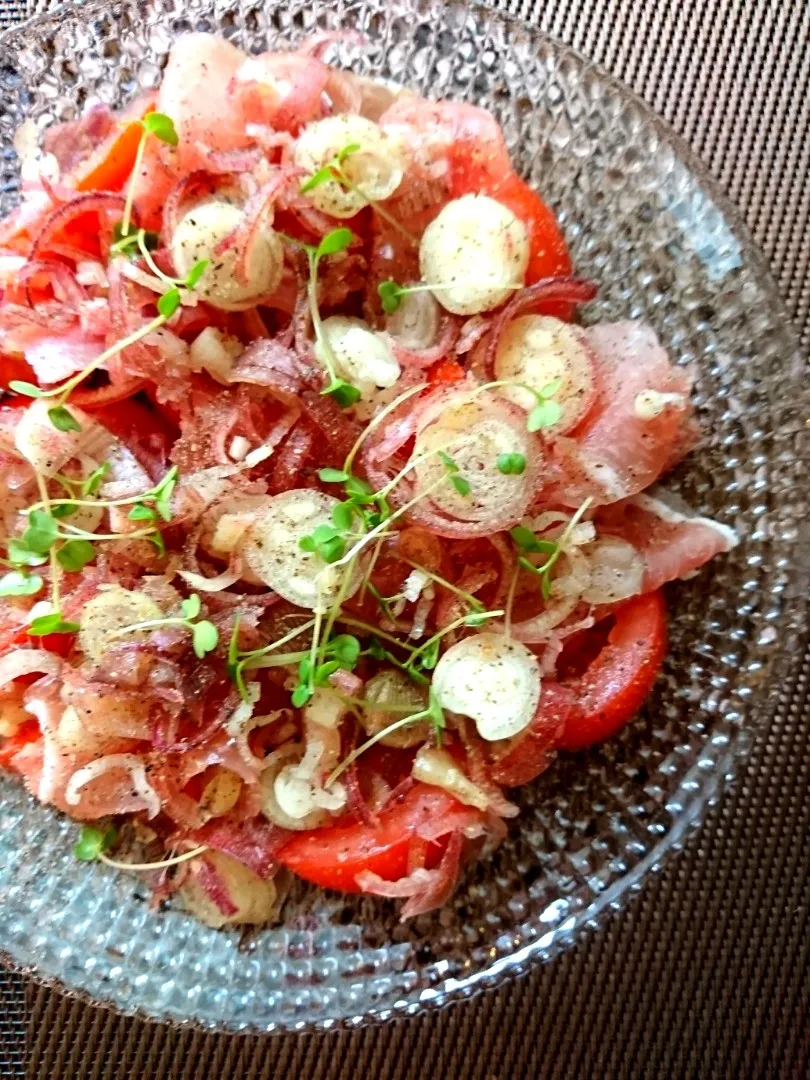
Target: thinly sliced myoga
<point x="641" y="425"/>
<point x="673" y="541"/>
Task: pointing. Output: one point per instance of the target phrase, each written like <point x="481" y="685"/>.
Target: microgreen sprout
<point x="240" y="661"/>
<point x="338" y="653"/>
<point x="204" y="635"/>
<point x="334" y="172"/>
<point x="511" y="464"/>
<point x="433" y="713"/>
<point x="161" y="127"/>
<point x="391" y="293"/>
<point x="461" y="485"/>
<point x="333" y="243"/>
<point x="94" y="842"/>
<point x="530" y="544"/>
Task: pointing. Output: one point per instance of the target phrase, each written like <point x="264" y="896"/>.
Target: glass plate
<point x="643" y="220"/>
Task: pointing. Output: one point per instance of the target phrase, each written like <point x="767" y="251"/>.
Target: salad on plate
<point x="326" y="524"/>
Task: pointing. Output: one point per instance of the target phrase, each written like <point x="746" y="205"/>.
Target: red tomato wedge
<point x="549" y="253"/>
<point x="333" y="857"/>
<point x="618" y="680"/>
<point x="109" y="167"/>
<point x="27" y="733"/>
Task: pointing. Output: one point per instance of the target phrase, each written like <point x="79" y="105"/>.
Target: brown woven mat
<point x="707" y="974"/>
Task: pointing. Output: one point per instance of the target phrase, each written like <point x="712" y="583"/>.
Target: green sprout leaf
<point x="360" y="490"/>
<point x="40" y="535"/>
<point x="511" y="464"/>
<point x="332" y="476"/>
<point x="346" y="649"/>
<point x="301" y="695"/>
<point x="75" y="554"/>
<point x="347" y="151"/>
<point x="544" y="415"/>
<point x="448" y="462"/>
<point x="318" y="179"/>
<point x="63" y="510"/>
<point x="63" y="419"/>
<point x="169" y="303"/>
<point x="343" y="516"/>
<point x="51" y="624"/>
<point x="26" y="388"/>
<point x="343" y="393"/>
<point x="461" y="485"/>
<point x="306" y="543"/>
<point x="21" y="555"/>
<point x="196" y="272"/>
<point x="96" y="478"/>
<point x="130" y="244"/>
<point x="191" y="607"/>
<point x="334" y="242"/>
<point x="16" y="584"/>
<point x="92" y="842"/>
<point x="390" y="295"/>
<point x="161" y="126"/>
<point x="204" y="636"/>
<point x="156" y="538"/>
<point x="139" y="512"/>
<point x="550" y="389"/>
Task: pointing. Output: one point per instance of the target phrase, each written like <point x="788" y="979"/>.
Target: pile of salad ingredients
<point x="324" y="524"/>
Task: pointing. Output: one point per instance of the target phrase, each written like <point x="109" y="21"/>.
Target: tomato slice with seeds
<point x="333" y="857"/>
<point x="619" y="678"/>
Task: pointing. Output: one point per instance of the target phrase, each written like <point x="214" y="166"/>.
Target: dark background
<point x="706" y="975"/>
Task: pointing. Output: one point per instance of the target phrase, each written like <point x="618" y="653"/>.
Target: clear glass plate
<point x="643" y="221"/>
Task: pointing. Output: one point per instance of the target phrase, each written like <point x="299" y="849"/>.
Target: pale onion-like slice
<point x="438" y="768"/>
<point x="271" y="548"/>
<point x="49" y="449"/>
<point x="233" y="516"/>
<point x="494" y="681"/>
<point x="363" y="358"/>
<point x="287" y="799"/>
<point x="617" y="571"/>
<point x="132" y="763"/>
<point x="75" y="738"/>
<point x="415" y="323"/>
<point x="391" y="687"/>
<point x="255" y="900"/>
<point x="479" y="248"/>
<point x="215" y="352"/>
<point x="539" y="350"/>
<point x="20" y="662"/>
<point x="324" y="709"/>
<point x="196" y="237"/>
<point x="220" y="794"/>
<point x="108" y="612"/>
<point x="474" y="436"/>
<point x="376" y="168"/>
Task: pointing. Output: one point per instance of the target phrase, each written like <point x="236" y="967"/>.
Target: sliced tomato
<point x="529" y="754"/>
<point x="333" y="857"/>
<point x="549" y="255"/>
<point x="109" y="167"/>
<point x="99" y="396"/>
<point x="15" y="367"/>
<point x="445" y="371"/>
<point x="619" y="678"/>
<point x="26" y="733"/>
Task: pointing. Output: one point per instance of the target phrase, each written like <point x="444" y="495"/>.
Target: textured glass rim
<point x="521" y="962"/>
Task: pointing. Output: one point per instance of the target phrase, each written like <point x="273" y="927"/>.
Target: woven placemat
<point x="706" y="975"/>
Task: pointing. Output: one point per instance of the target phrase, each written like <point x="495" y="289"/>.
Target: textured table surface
<point x="707" y="974"/>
